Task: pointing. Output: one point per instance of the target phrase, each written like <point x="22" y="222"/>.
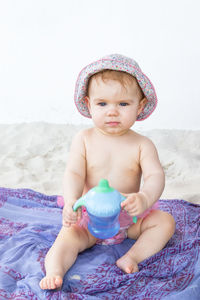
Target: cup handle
<point x="135" y="219"/>
<point x="78" y="203"/>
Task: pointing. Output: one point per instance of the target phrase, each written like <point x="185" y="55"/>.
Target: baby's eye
<point x="102" y="103"/>
<point x="123" y="104"/>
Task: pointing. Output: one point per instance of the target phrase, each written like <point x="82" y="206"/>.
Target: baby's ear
<point x="142" y="104"/>
<point x="87" y="101"/>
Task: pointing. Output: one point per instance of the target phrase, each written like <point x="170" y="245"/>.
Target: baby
<point x="115" y="93"/>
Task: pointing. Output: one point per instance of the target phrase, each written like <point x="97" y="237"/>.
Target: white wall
<point x="45" y="43"/>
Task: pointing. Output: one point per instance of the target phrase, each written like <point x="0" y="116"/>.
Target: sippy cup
<point x="103" y="205"/>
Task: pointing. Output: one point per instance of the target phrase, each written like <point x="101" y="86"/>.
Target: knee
<point x="169" y="224"/>
<point x="162" y="220"/>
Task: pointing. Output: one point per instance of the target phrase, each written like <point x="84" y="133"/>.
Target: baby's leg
<point x="152" y="234"/>
<point x="63" y="253"/>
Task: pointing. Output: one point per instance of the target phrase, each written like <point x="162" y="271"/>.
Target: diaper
<point x="125" y="222"/>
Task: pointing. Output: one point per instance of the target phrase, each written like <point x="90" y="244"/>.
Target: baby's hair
<point x="122" y="77"/>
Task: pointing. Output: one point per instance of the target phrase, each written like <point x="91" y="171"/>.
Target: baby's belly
<point x="123" y="182"/>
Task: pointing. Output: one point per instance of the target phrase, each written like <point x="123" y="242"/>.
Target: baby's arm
<point x="74" y="179"/>
<point x="152" y="171"/>
<point x="153" y="177"/>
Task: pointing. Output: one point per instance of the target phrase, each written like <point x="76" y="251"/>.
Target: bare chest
<point x="115" y="163"/>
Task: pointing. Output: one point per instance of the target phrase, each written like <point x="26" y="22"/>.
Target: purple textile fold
<point x="29" y="224"/>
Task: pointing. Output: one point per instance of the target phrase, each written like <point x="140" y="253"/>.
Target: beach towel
<point x="29" y="224"/>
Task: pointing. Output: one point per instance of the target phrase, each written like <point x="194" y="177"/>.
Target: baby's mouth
<point x="113" y="123"/>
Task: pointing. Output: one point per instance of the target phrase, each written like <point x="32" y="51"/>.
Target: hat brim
<point x="119" y="63"/>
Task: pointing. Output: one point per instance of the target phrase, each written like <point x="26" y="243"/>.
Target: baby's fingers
<point x="124" y="203"/>
<point x="66" y="223"/>
<point x="128" y="203"/>
<point x="79" y="213"/>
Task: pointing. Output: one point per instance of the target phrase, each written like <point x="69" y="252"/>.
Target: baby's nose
<point x="112" y="111"/>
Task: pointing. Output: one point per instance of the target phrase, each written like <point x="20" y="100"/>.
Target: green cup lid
<point x="103" y="187"/>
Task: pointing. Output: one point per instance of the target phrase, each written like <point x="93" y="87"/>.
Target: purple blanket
<point x="30" y="222"/>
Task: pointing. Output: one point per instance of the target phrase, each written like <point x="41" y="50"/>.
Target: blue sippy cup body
<point x="103" y="227"/>
<point x="104" y="216"/>
<point x="103" y="205"/>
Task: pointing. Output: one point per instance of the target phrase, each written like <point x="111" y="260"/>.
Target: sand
<point x="34" y="156"/>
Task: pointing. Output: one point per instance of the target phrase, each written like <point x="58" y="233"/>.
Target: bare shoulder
<point x="82" y="134"/>
<point x="80" y="139"/>
<point x="143" y="141"/>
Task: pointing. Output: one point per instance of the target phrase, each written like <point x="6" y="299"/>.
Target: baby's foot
<point x="51" y="282"/>
<point x="127" y="264"/>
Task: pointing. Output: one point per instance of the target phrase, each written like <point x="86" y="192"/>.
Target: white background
<point x="45" y="43"/>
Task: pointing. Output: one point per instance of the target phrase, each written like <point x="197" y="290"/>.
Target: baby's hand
<point x="135" y="204"/>
<point x="70" y="217"/>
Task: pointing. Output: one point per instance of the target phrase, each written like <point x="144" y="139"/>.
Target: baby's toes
<point x="58" y="281"/>
<point x="127" y="264"/>
<point x="51" y="283"/>
<point x="44" y="283"/>
<point x="131" y="268"/>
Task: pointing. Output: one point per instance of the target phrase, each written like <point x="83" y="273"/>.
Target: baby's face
<point x="114" y="109"/>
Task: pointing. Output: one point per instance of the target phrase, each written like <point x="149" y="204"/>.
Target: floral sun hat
<point x="116" y="62"/>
